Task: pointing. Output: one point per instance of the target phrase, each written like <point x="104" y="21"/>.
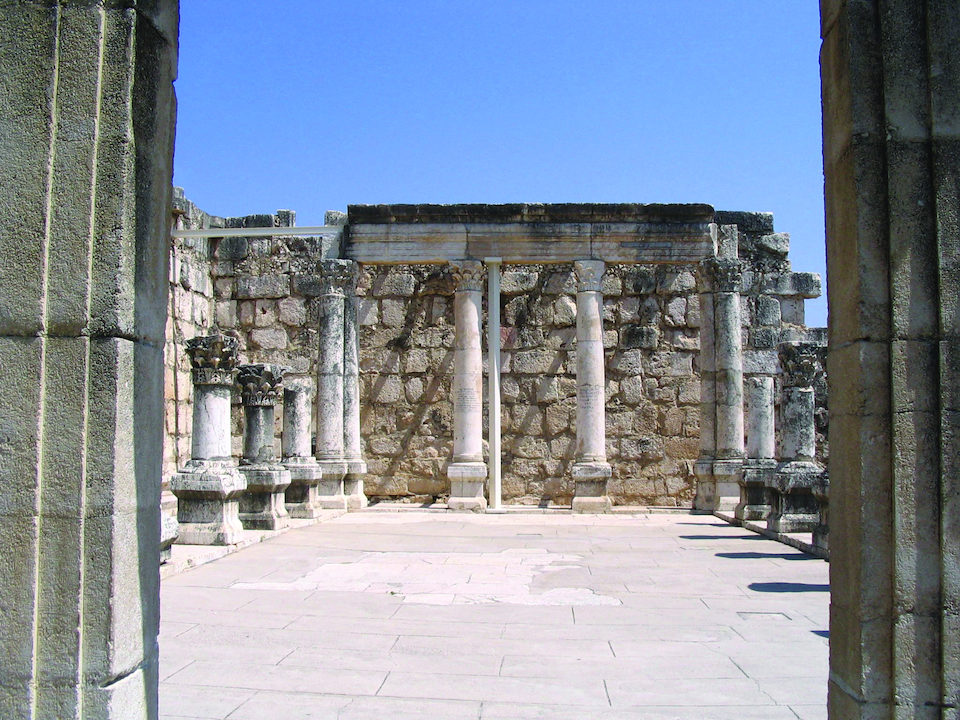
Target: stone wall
<point x="264" y="290"/>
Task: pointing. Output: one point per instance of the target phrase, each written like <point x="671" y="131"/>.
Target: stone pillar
<point x="892" y="178"/>
<point x="301" y="497"/>
<point x="87" y="115"/>
<point x="209" y="487"/>
<point x="590" y="469"/>
<point x="760" y="463"/>
<point x="467" y="472"/>
<point x="721" y="279"/>
<point x="356" y="467"/>
<point x="335" y="277"/>
<point x="262" y="505"/>
<point x="793" y="506"/>
<point x="706" y="498"/>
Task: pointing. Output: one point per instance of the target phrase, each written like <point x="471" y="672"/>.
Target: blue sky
<point x="311" y="105"/>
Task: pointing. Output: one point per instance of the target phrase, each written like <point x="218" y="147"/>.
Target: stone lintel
<point x="529" y="213"/>
<point x="533" y="242"/>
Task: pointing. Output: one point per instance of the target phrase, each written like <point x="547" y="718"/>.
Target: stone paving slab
<point x="521" y="616"/>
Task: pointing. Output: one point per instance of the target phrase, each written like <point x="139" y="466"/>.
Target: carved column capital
<point x="213" y="359"/>
<point x="468" y="274"/>
<point x="721" y="274"/>
<point x="338" y="277"/>
<point x="801" y="362"/>
<point x="260" y="384"/>
<point x="589" y="274"/>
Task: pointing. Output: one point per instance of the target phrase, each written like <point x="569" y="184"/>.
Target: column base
<point x="169" y="530"/>
<point x="330" y="490"/>
<point x="353" y="485"/>
<point x="208" y="493"/>
<point x="706" y="499"/>
<point x="753" y="489"/>
<point x="821" y="493"/>
<point x="590" y="487"/>
<point x="262" y="506"/>
<point x="794" y="508"/>
<point x="302" y="497"/>
<point x="467" y="480"/>
<point x="727" y="473"/>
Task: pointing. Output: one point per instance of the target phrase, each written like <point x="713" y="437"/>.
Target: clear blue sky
<point x="314" y="104"/>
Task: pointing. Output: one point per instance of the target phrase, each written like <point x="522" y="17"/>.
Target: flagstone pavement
<point x="411" y="614"/>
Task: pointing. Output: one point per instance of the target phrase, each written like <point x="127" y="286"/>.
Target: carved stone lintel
<point x="260" y="384"/>
<point x="802" y="363"/>
<point x="468" y="275"/>
<point x="337" y="277"/>
<point x="589" y="274"/>
<point x="213" y="359"/>
<point x="723" y="274"/>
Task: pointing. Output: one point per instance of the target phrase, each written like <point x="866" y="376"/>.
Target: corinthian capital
<point x="468" y="274"/>
<point x="337" y="277"/>
<point x="723" y="274"/>
<point x="260" y="384"/>
<point x="589" y="274"/>
<point x="802" y="363"/>
<point x="213" y="359"/>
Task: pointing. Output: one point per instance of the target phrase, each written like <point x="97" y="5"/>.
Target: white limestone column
<point x="467" y="472"/>
<point x="706" y="498"/>
<point x="728" y="357"/>
<point x="590" y="469"/>
<point x="262" y="505"/>
<point x="302" y="497"/>
<point x="356" y="467"/>
<point x="209" y="487"/>
<point x="335" y="276"/>
<point x="495" y="490"/>
<point x="761" y="447"/>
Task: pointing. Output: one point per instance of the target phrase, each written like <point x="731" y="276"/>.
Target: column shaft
<point x="302" y="496"/>
<point x="356" y="468"/>
<point x="590" y="469"/>
<point x="467" y="472"/>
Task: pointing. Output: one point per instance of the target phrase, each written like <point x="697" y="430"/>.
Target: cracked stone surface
<point x="422" y="614"/>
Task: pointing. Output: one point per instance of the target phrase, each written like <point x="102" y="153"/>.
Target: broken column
<point x="262" y="505"/>
<point x="790" y="493"/>
<point x="356" y="467"/>
<point x="760" y="463"/>
<point x="209" y="487"/>
<point x="467" y="471"/>
<point x="335" y="276"/>
<point x="301" y="497"/>
<point x="590" y="469"/>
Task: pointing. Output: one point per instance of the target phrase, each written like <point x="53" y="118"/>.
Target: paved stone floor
<point x="428" y="615"/>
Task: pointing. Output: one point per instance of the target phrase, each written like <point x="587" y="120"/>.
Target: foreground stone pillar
<point x="87" y="118"/>
<point x="760" y="463"/>
<point x="706" y="498"/>
<point x="335" y="277"/>
<point x="467" y="472"/>
<point x="301" y="497"/>
<point x="208" y="489"/>
<point x="590" y="469"/>
<point x="262" y="505"/>
<point x="356" y="467"/>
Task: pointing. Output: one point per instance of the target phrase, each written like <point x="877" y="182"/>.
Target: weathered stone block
<point x="515" y="282"/>
<point x="261" y="286"/>
<point x="661" y="364"/>
<point x="394" y="283"/>
<point x="269" y="338"/>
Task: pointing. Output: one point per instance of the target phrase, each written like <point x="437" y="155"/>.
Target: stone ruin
<point x="649" y="355"/>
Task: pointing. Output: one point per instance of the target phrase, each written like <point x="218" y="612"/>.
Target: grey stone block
<point x="262" y="286"/>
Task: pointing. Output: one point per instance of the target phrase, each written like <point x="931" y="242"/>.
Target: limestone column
<point x="728" y="357"/>
<point x="706" y="498"/>
<point x="793" y="506"/>
<point x="356" y="467"/>
<point x="590" y="469"/>
<point x="760" y="463"/>
<point x="335" y="277"/>
<point x="467" y="471"/>
<point x="892" y="174"/>
<point x="209" y="487"/>
<point x="262" y="505"/>
<point x="87" y="115"/>
<point x="301" y="497"/>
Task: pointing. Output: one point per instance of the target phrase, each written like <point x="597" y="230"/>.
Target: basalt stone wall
<point x="265" y="291"/>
